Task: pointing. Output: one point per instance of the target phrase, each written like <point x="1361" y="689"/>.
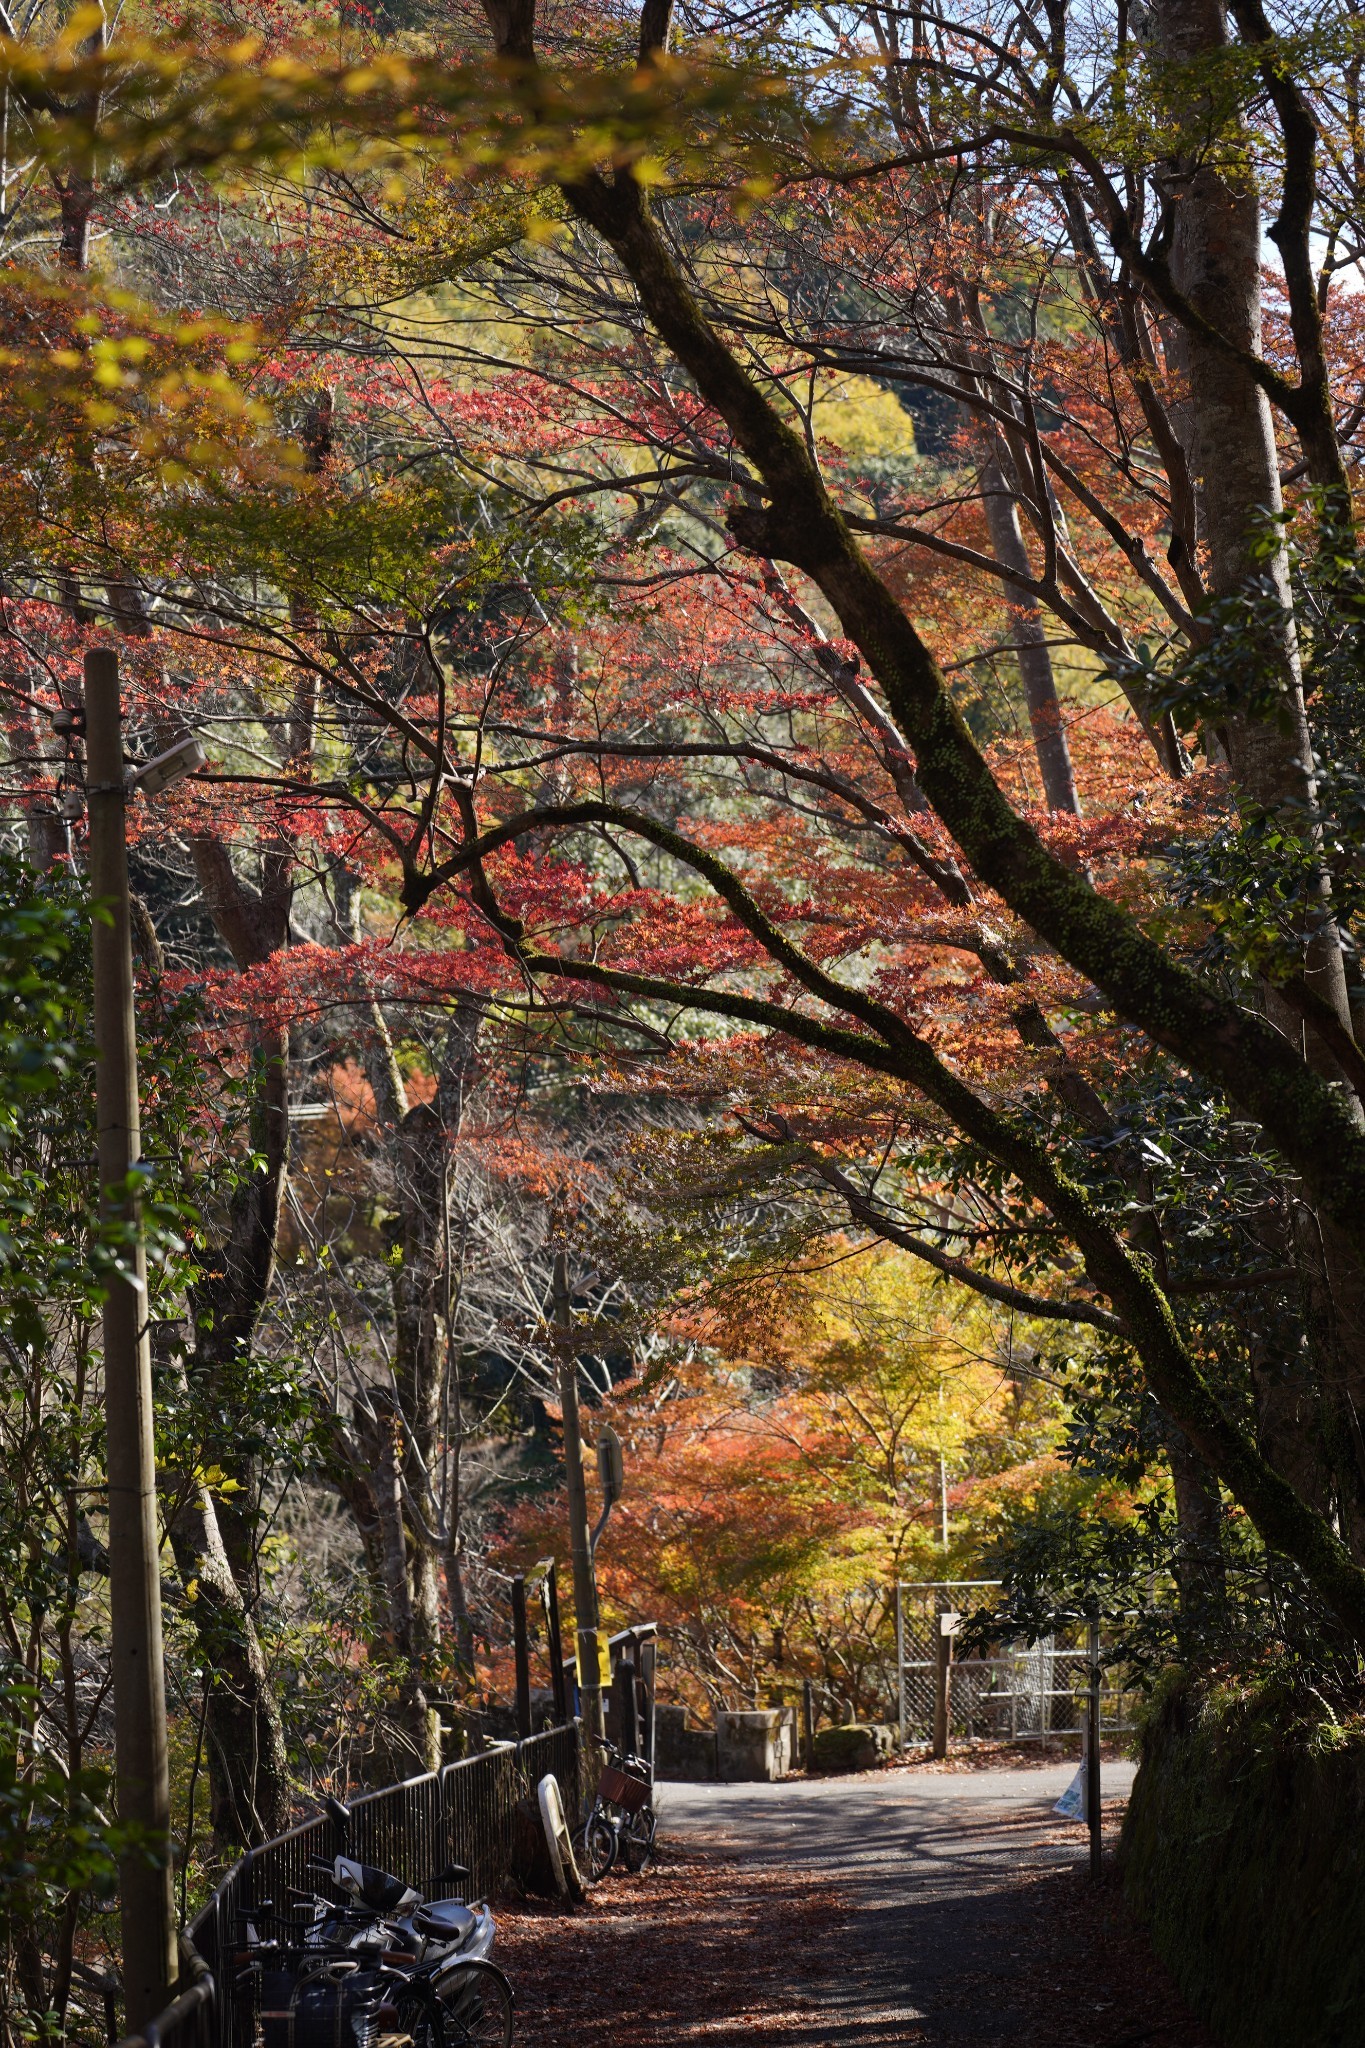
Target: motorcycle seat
<point x="444" y="1920"/>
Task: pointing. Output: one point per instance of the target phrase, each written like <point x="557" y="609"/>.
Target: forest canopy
<point x="773" y="604"/>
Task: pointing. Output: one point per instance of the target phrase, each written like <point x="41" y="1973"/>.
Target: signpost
<point x="1094" y="1812"/>
<point x="611" y="1476"/>
<point x="949" y="1621"/>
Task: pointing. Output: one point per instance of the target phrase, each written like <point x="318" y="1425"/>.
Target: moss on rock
<point x="1244" y="1849"/>
<point x="857" y="1746"/>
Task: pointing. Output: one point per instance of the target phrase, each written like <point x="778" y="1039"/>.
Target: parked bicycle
<point x="382" y="1966"/>
<point x="621" y="1820"/>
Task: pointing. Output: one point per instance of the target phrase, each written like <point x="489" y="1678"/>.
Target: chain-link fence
<point x="1010" y="1693"/>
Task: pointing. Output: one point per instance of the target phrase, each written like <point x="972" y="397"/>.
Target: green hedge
<point x="1244" y="1850"/>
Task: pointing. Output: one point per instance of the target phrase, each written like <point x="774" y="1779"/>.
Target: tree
<point x="56" y="1258"/>
<point x="1302" y="1113"/>
<point x="794" y="1452"/>
<point x="695" y="754"/>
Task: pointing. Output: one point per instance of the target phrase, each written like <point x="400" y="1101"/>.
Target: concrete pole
<point x="580" y="1539"/>
<point x="146" y="1899"/>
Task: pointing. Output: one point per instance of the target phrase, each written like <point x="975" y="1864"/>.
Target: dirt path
<point x="904" y="1907"/>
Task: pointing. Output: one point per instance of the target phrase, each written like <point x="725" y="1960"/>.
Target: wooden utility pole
<point x="580" y="1538"/>
<point x="146" y="1899"/>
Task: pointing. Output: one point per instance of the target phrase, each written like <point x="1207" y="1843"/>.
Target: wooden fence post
<point x="550" y="1595"/>
<point x="522" y="1652"/>
<point x="1094" y="1811"/>
<point x="943" y="1679"/>
<point x="627" y="1706"/>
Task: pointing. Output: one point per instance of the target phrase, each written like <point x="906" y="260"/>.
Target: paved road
<point x="929" y="1863"/>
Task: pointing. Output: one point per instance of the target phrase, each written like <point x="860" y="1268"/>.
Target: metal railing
<point x="462" y="1813"/>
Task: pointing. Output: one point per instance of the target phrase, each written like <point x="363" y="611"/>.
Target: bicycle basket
<point x="623" y="1788"/>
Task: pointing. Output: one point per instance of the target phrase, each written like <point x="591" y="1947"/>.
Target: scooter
<point x="433" y="1932"/>
<point x="437" y="1950"/>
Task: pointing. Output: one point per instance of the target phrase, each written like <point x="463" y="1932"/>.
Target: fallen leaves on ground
<point x="706" y="1949"/>
<point x="1079" y="1970"/>
<point x="998" y="1756"/>
<point x="698" y="1948"/>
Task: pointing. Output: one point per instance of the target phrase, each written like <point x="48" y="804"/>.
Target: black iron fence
<point x="461" y="1814"/>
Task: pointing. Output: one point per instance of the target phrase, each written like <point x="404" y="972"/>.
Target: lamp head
<point x="163" y="771"/>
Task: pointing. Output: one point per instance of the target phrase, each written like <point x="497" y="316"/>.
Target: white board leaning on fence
<point x="568" y="1883"/>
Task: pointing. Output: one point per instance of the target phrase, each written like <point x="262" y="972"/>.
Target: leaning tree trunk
<point x="230" y="1292"/>
<point x="215" y="1541"/>
<point x="422" y="1360"/>
<point x="1216" y="260"/>
<point x="248" y="1764"/>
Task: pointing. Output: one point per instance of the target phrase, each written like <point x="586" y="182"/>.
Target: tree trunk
<point x="247" y="1762"/>
<point x="248" y="1766"/>
<point x="1216" y="259"/>
<point x="230" y="1292"/>
<point x="399" y="1453"/>
<point x="1200" y="1567"/>
<point x="420" y="1167"/>
<point x="1029" y="636"/>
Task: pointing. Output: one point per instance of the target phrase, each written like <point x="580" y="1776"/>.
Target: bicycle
<point x="357" y="1979"/>
<point x="621" y="1820"/>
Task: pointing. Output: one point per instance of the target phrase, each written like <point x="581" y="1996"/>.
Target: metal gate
<point x="1010" y="1693"/>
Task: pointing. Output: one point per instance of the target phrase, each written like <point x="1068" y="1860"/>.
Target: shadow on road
<point x="886" y="1911"/>
<point x="969" y="1915"/>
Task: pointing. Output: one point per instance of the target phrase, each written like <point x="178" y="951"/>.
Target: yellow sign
<point x="585" y="1639"/>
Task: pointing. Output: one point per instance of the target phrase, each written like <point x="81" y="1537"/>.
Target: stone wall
<point x="756" y="1747"/>
<point x="1244" y="1850"/>
<point x="681" y="1752"/>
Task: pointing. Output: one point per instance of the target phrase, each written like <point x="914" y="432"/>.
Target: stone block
<point x="858" y="1746"/>
<point x="754" y="1747"/>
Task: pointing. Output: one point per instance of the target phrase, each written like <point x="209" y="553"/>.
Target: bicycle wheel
<point x="594" y="1847"/>
<point x="637" y="1838"/>
<point x="477" y="2001"/>
<point x="420" y="2018"/>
